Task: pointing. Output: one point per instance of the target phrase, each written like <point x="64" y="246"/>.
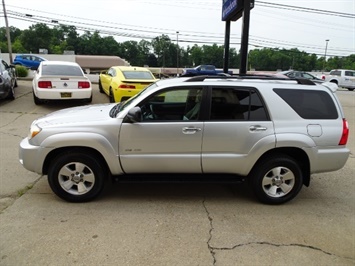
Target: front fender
<point x="85" y="139"/>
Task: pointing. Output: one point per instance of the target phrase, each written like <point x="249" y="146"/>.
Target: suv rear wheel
<point x="76" y="177"/>
<point x="276" y="179"/>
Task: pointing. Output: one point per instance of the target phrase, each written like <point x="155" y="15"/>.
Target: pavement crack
<point x="7" y="200"/>
<point x="210" y="219"/>
<point x="275" y="245"/>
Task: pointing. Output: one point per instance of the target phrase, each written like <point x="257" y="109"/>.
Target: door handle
<point x="257" y="128"/>
<point x="190" y="130"/>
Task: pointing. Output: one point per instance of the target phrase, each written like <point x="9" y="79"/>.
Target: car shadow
<point x="183" y="191"/>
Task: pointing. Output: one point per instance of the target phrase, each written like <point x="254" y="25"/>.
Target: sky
<point x="200" y="22"/>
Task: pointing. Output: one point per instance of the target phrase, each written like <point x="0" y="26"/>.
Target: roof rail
<point x="251" y="77"/>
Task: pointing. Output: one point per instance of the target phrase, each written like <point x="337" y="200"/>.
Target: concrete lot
<point x="168" y="224"/>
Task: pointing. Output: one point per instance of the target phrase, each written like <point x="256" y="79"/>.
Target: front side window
<point x="178" y="104"/>
<point x="335" y="73"/>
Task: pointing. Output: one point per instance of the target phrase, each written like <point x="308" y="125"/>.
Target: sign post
<point x="233" y="10"/>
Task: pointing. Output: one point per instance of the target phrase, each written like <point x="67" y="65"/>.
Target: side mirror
<point x="134" y="115"/>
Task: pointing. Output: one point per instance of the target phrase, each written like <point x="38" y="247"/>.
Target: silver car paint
<point x="164" y="147"/>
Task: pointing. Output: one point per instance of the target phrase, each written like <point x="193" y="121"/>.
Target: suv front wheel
<point x="76" y="176"/>
<point x="277" y="179"/>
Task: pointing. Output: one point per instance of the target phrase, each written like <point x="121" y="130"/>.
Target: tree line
<point x="161" y="51"/>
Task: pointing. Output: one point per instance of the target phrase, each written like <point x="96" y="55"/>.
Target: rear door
<point x="166" y="140"/>
<point x="237" y="128"/>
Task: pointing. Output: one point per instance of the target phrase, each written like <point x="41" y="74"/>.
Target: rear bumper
<point x="52" y="94"/>
<point x="328" y="160"/>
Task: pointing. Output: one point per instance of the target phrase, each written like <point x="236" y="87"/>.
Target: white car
<point x="58" y="80"/>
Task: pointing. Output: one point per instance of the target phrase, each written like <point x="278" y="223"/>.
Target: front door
<point x="169" y="137"/>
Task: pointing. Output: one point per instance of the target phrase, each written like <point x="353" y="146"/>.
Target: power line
<point x="132" y="31"/>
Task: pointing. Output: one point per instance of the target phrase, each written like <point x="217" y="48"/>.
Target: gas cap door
<point x="314" y="130"/>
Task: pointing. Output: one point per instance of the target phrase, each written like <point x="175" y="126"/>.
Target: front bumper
<point x="32" y="157"/>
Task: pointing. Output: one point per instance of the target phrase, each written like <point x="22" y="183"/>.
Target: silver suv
<point x="271" y="132"/>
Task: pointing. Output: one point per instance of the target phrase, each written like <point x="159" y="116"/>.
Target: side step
<point x="179" y="178"/>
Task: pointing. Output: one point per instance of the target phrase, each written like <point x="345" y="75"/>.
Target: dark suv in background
<point x="8" y="80"/>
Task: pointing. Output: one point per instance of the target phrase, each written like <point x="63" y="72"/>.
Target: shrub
<point x="21" y="71"/>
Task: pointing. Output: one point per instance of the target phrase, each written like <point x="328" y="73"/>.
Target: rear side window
<point x="309" y="104"/>
<point x="237" y="104"/>
<point x="350" y="73"/>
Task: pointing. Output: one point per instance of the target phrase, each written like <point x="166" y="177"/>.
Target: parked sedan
<point x="57" y="80"/>
<point x="301" y="74"/>
<point x="121" y="83"/>
<point x="8" y="81"/>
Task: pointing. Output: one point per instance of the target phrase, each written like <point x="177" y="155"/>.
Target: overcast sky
<point x="199" y="21"/>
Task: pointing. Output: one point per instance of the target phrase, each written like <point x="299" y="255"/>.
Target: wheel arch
<point x="76" y="149"/>
<point x="297" y="154"/>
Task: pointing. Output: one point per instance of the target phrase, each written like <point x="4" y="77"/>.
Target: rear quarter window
<point x="309" y="104"/>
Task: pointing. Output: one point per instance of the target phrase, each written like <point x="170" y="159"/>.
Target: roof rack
<point x="250" y="77"/>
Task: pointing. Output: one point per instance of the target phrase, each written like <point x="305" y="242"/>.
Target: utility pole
<point x="325" y="54"/>
<point x="9" y="47"/>
<point x="177" y="53"/>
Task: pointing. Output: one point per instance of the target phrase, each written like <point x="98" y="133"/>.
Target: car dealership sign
<point x="233" y="9"/>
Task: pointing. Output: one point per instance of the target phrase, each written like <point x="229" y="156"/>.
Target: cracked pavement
<point x="168" y="224"/>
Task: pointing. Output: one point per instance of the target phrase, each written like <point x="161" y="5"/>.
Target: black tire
<point x="350" y="89"/>
<point x="276" y="179"/>
<point x="36" y="99"/>
<point x="71" y="172"/>
<point x="112" y="97"/>
<point x="100" y="87"/>
<point x="88" y="100"/>
<point x="11" y="95"/>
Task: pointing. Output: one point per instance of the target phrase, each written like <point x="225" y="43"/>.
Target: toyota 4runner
<point x="272" y="132"/>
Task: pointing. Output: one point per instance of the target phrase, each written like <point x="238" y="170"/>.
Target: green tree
<point x="36" y="37"/>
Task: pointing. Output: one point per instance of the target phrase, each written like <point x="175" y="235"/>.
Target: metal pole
<point x="325" y="54"/>
<point x="7" y="32"/>
<point x="226" y="46"/>
<point x="245" y="38"/>
<point x="177" y="53"/>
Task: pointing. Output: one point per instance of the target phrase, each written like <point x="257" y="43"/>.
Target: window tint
<point x="236" y="104"/>
<point x="137" y="75"/>
<point x="350" y="73"/>
<point x="309" y="104"/>
<point x="61" y="70"/>
<point x="176" y="104"/>
<point x="335" y="72"/>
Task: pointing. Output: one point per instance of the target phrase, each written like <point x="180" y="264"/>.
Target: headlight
<point x="34" y="130"/>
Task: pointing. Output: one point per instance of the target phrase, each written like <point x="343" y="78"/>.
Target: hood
<point x="77" y="115"/>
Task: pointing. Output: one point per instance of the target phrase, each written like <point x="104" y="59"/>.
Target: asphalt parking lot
<point x="168" y="224"/>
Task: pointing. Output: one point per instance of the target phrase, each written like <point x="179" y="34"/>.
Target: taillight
<point x="125" y="86"/>
<point x="345" y="135"/>
<point x="323" y="77"/>
<point x="83" y="84"/>
<point x="44" y="84"/>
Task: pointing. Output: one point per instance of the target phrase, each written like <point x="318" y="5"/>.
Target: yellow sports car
<point x="123" y="82"/>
